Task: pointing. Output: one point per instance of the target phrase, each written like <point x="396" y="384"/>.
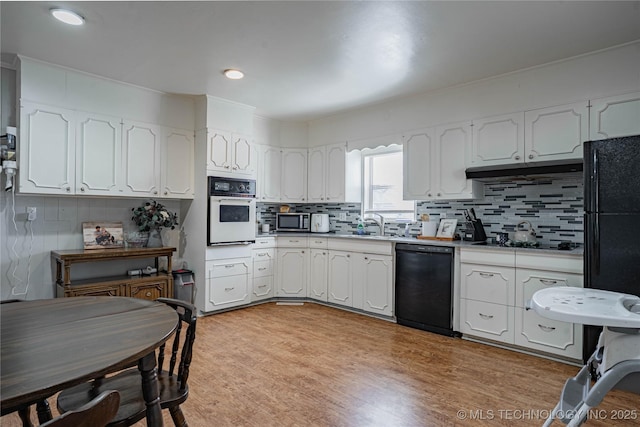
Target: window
<point x="382" y="179"/>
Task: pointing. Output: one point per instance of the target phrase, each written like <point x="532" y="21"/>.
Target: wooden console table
<point x="149" y="287"/>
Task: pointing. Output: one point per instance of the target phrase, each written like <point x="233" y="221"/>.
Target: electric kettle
<point x="319" y="223"/>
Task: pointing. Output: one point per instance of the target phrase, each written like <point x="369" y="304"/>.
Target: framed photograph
<point x="447" y="228"/>
<point x="102" y="235"/>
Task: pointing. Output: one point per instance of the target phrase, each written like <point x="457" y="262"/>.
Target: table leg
<point x="25" y="416"/>
<point x="150" y="389"/>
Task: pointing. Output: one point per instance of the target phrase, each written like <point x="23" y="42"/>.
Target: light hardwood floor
<point x="311" y="365"/>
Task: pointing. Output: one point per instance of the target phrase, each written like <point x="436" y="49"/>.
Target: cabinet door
<point x="335" y="173"/>
<point x="452" y="145"/>
<point x="219" y="148"/>
<point x="262" y="288"/>
<point x="227" y="283"/>
<point x="47" y="149"/>
<point x="340" y="278"/>
<point x="141" y="158"/>
<point x="417" y="164"/>
<point x="98" y="155"/>
<point x="149" y="291"/>
<point x="243" y="155"/>
<point x="316" y="175"/>
<point x="615" y="116"/>
<point x="377" y="284"/>
<point x="551" y="336"/>
<point x="528" y="282"/>
<point x="498" y="140"/>
<point x="271" y="174"/>
<point x="556" y="133"/>
<point x="292" y="272"/>
<point x="177" y="164"/>
<point x="317" y="288"/>
<point x="294" y="175"/>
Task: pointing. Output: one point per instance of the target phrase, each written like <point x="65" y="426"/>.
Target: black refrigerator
<point x="612" y="220"/>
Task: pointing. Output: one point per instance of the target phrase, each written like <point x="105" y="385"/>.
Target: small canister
<point x="502" y="238"/>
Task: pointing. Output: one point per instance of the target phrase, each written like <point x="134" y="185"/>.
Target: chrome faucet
<point x="380" y="223"/>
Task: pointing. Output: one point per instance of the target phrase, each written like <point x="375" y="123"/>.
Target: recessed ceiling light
<point x="67" y="16"/>
<point x="233" y="74"/>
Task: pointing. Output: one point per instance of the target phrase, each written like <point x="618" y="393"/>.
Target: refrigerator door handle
<point x="596" y="244"/>
<point x="596" y="183"/>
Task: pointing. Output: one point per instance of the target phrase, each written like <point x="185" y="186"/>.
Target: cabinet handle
<point x="302" y="251"/>
<point x="348" y="256"/>
<point x="366" y="257"/>
<point x="517" y="157"/>
<point x="318" y="241"/>
<point x="68" y="189"/>
<point x="82" y="189"/>
<point x="262" y="286"/>
<point x="228" y="266"/>
<point x="262" y="254"/>
<point x="234" y="168"/>
<point x="226" y="166"/>
<point x="486" y="316"/>
<point x="439" y="194"/>
<point x="323" y="253"/>
<point x="327" y="198"/>
<point x="303" y="198"/>
<point x="486" y="275"/>
<point x="229" y="289"/>
<point x="262" y="268"/>
<point x="548" y="282"/>
<point x="155" y="192"/>
<point x="166" y="192"/>
<point x="429" y="194"/>
<point x="321" y="198"/>
<point x="293" y="241"/>
<point x="546" y="328"/>
<point x="531" y="156"/>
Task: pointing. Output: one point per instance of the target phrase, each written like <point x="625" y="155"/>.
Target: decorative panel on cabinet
<point x="177" y="164"/>
<point x="498" y="140"/>
<point x="141" y="147"/>
<point x="615" y="116"/>
<point x="294" y="175"/>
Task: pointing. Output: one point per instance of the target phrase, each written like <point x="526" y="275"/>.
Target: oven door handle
<point x="236" y="200"/>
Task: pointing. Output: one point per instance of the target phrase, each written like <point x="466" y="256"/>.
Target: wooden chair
<point x="97" y="413"/>
<point x="172" y="381"/>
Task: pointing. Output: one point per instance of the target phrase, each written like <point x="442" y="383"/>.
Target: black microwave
<point x="293" y="221"/>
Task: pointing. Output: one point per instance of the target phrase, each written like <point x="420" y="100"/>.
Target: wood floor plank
<point x="312" y="365"/>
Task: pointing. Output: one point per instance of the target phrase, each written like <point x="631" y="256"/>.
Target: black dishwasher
<point x="424" y="288"/>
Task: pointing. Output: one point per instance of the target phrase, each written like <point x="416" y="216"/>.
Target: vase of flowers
<point x="151" y="217"/>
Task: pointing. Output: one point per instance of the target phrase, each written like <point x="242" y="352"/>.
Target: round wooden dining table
<point x="49" y="345"/>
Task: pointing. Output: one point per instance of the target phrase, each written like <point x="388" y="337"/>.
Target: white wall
<point x="595" y="75"/>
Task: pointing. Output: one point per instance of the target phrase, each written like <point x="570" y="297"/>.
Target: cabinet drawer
<point x="486" y="320"/>
<point x="487" y="283"/>
<point x="318" y="242"/>
<point x="150" y="291"/>
<point x="530" y="281"/>
<point x="96" y="291"/>
<point x="265" y="242"/>
<point x="262" y="268"/>
<point x="262" y="288"/>
<point x="502" y="257"/>
<point x="558" y="262"/>
<point x="228" y="291"/>
<point x="552" y="336"/>
<point x="293" y="242"/>
<point x="226" y="268"/>
<point x="264" y="254"/>
<point x="360" y="245"/>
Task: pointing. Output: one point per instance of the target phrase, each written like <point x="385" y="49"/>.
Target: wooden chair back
<point x="187" y="315"/>
<point x="97" y="413"/>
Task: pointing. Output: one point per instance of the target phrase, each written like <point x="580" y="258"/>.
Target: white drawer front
<point x="483" y="256"/>
<point x="539" y="333"/>
<point x="227" y="292"/>
<point x="486" y="320"/>
<point x="293" y="242"/>
<point x="529" y="282"/>
<point x="262" y="288"/>
<point x="262" y="268"/>
<point x="264" y="242"/>
<point x="361" y="245"/>
<point x="318" y="242"/>
<point x="264" y="254"/>
<point x="226" y="268"/>
<point x="487" y="283"/>
<point x="560" y="262"/>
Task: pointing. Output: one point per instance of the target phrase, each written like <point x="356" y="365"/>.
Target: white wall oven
<point x="232" y="211"/>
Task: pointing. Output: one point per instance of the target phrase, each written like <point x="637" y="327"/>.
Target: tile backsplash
<point x="553" y="205"/>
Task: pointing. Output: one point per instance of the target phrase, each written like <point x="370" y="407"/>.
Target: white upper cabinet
<point x="294" y="175"/>
<point x="434" y="164"/>
<point x="177" y="164"/>
<point x="46" y="149"/>
<point x="615" y="116"/>
<point x="231" y="153"/>
<point x="498" y="140"/>
<point x="141" y="159"/>
<point x="270" y="174"/>
<point x="556" y="132"/>
<point x="98" y="154"/>
<point x="333" y="175"/>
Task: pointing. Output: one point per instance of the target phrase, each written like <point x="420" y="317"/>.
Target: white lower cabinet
<point x="263" y="267"/>
<point x="340" y="282"/>
<point x="373" y="282"/>
<point x="318" y="267"/>
<point x="495" y="294"/>
<point x="228" y="283"/>
<point x="291" y="271"/>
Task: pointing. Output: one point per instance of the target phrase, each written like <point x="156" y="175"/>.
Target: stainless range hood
<point x="525" y="169"/>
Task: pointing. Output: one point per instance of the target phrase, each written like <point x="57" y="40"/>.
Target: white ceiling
<point x="307" y="59"/>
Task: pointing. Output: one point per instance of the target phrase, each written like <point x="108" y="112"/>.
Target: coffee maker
<point x="474" y="231"/>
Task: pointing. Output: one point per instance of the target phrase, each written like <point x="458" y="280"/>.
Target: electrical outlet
<point x="31" y="213"/>
<point x="343" y="216"/>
